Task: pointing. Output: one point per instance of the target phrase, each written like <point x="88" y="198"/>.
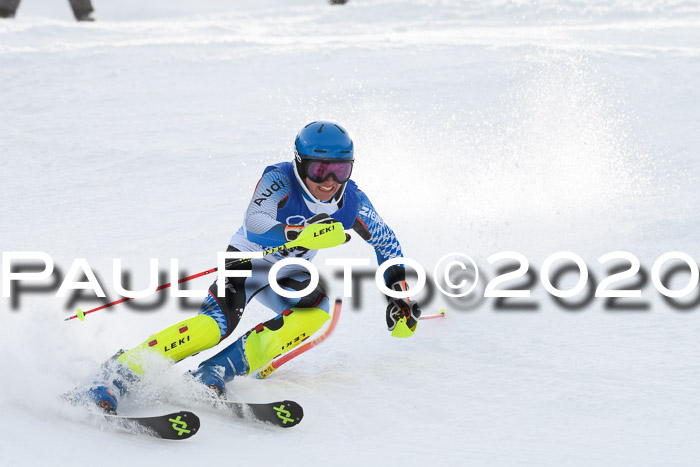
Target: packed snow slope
<point x="479" y="127"/>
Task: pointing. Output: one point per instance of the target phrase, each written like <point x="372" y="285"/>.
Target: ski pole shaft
<point x="437" y="315"/>
<point x="81" y="314"/>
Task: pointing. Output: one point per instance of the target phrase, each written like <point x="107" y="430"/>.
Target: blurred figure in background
<point x="82" y="9"/>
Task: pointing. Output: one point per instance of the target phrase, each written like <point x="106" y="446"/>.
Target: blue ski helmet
<point x="322" y="141"/>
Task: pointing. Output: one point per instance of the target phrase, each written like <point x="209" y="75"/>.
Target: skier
<point x="315" y="188"/>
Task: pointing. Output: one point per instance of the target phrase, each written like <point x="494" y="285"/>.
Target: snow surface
<point x="479" y="127"/>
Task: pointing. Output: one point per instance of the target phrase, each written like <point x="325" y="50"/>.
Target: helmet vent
<point x="321" y="150"/>
<point x="320" y="130"/>
<point x="309" y="124"/>
<point x="339" y="129"/>
<point x="345" y="152"/>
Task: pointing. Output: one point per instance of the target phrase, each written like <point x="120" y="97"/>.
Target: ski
<point x="284" y="414"/>
<point x="174" y="426"/>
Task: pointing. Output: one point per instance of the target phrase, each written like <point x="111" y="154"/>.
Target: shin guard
<point x="176" y="342"/>
<point x="281" y="334"/>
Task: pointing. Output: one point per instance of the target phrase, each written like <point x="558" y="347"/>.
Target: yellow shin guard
<point x="265" y="343"/>
<point x="176" y="342"/>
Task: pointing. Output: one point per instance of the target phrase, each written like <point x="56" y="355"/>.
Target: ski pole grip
<point x="319" y="236"/>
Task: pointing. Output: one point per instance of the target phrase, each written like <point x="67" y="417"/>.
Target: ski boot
<point x="220" y="369"/>
<point x="259" y="346"/>
<point x="212" y="376"/>
<point x="111" y="383"/>
<point x="104" y="398"/>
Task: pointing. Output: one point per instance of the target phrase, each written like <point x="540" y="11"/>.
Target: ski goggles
<point x="320" y="171"/>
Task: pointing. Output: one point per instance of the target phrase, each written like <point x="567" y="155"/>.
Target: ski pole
<point x="81" y="314"/>
<point x="437" y="315"/>
<point x="313" y="237"/>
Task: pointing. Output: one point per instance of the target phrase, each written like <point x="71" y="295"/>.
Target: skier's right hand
<point x="402" y="309"/>
<point x="292" y="231"/>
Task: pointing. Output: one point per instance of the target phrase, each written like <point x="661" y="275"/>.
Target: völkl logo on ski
<point x="283" y="414"/>
<point x="179" y="426"/>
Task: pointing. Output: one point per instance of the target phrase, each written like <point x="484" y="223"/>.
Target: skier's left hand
<point x="399" y="308"/>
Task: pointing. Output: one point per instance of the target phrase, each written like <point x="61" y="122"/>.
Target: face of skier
<point x="324" y="190"/>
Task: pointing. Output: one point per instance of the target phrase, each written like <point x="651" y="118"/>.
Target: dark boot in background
<point x="82" y="10"/>
<point x="8" y="8"/>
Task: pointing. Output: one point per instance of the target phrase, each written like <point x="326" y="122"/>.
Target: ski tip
<point x="182" y="425"/>
<point x="289" y="413"/>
